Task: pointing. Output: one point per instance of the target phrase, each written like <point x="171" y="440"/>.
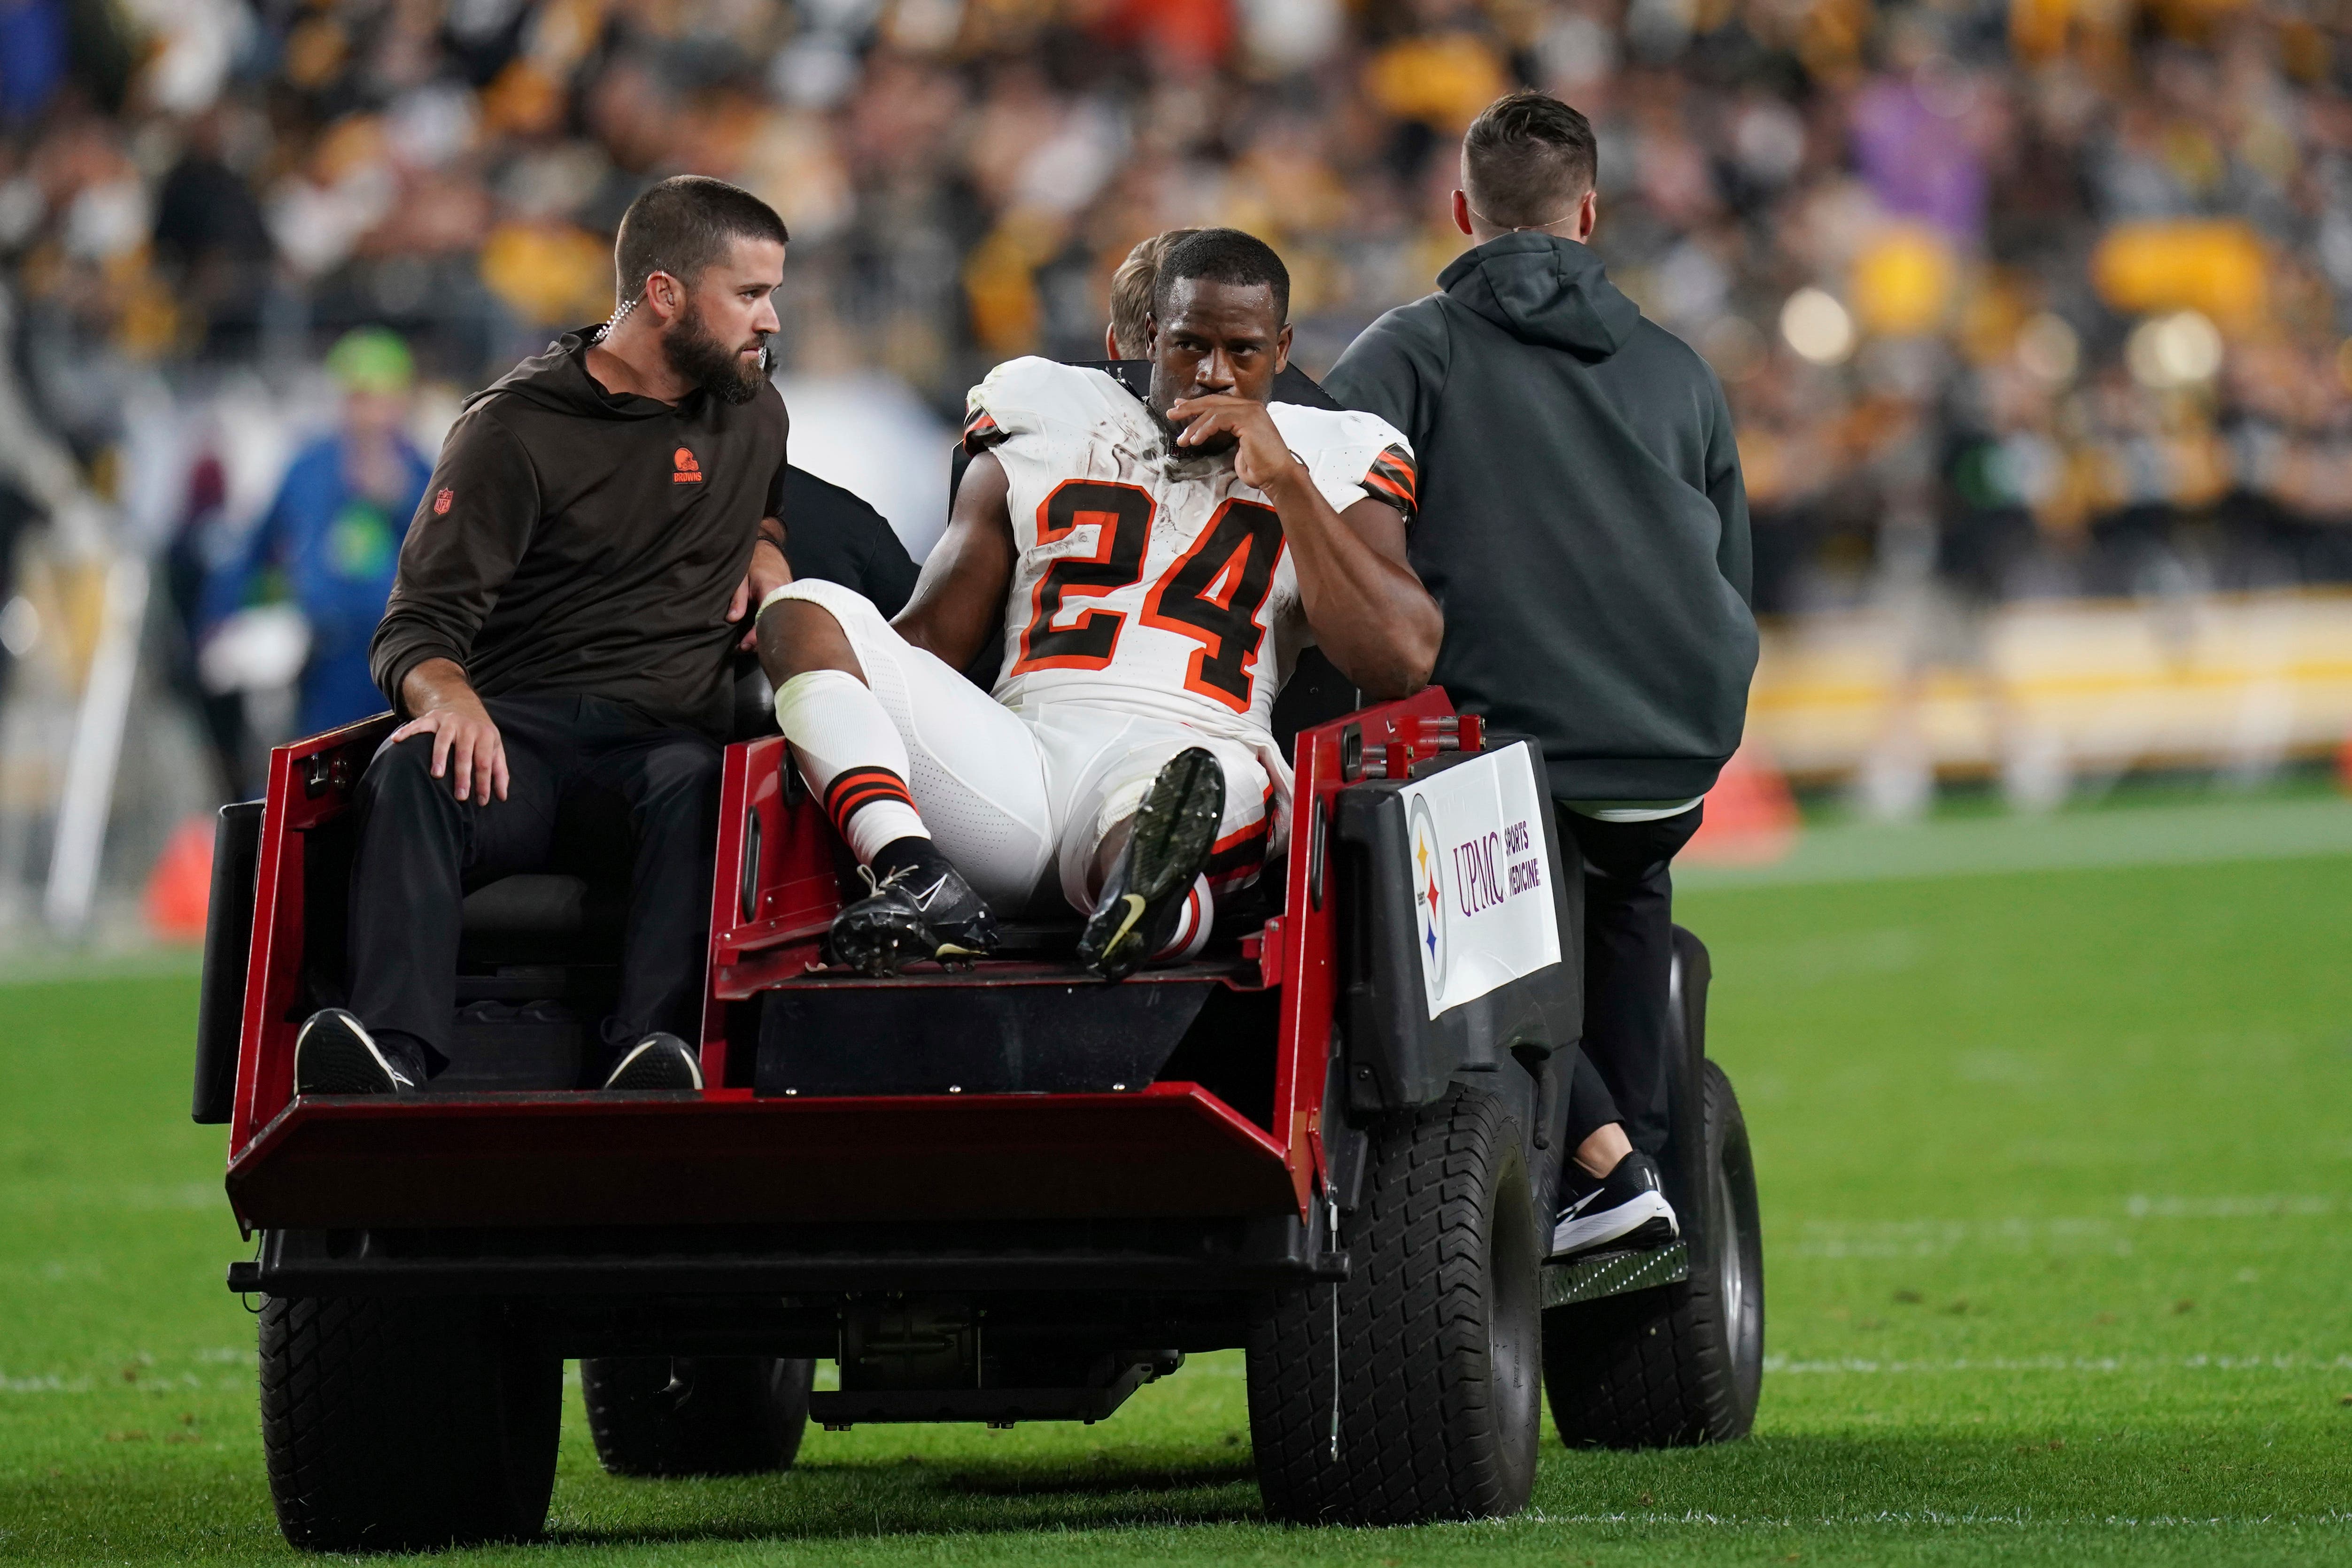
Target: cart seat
<point x="538" y="966"/>
<point x="538" y="908"/>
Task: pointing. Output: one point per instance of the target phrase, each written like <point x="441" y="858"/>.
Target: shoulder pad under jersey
<point x="1028" y="395"/>
<point x="1351" y="454"/>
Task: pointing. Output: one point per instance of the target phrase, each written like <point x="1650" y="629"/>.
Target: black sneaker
<point x="334" y="1054"/>
<point x="1143" y="898"/>
<point x="920" y="906"/>
<point x="659" y="1062"/>
<point x="1625" y="1208"/>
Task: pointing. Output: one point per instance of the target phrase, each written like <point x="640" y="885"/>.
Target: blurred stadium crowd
<point x="2051" y="290"/>
<point x="2014" y="298"/>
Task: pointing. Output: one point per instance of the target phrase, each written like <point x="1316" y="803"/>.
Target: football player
<point x="1155" y="564"/>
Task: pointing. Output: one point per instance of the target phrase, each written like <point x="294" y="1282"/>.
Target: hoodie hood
<point x="1546" y="290"/>
<point x="557" y="379"/>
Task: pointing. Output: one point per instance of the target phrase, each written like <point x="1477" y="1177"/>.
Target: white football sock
<point x="851" y="755"/>
<point x="1192" y="933"/>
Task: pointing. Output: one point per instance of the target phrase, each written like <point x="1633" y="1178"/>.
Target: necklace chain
<point x="1519" y="228"/>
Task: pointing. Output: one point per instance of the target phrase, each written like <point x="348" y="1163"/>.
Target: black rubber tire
<point x="1679" y="1363"/>
<point x="696" y="1416"/>
<point x="396" y="1423"/>
<point x="1440" y="1398"/>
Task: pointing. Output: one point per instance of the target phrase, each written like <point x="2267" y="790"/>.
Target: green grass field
<point x="2056" y="1169"/>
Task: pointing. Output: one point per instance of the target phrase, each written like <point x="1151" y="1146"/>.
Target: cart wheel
<point x="1679" y="1363"/>
<point x="1439" y="1337"/>
<point x="696" y="1416"/>
<point x="400" y="1422"/>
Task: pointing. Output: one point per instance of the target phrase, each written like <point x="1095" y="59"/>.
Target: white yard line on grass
<point x="1933" y="1237"/>
<point x="2117" y="836"/>
<point x="129" y="1197"/>
<point x="55" y="1383"/>
<point x="2022" y="1520"/>
<point x="1863" y="1367"/>
<point x="42" y="964"/>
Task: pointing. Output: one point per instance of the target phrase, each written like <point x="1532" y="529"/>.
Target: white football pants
<point x="1014" y="799"/>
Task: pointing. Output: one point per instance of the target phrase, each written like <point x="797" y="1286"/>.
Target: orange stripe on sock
<point x="850" y="805"/>
<point x="858" y="788"/>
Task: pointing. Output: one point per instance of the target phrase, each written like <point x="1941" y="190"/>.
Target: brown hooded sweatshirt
<point x="572" y="541"/>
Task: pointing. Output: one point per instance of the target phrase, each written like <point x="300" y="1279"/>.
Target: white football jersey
<point x="1148" y="583"/>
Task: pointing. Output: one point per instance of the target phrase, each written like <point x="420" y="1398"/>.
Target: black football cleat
<point x="1624" y="1208"/>
<point x="657" y="1063"/>
<point x="1168" y="846"/>
<point x="919" y="908"/>
<point x="334" y="1054"/>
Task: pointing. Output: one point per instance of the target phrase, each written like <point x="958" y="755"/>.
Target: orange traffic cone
<point x="180" y="887"/>
<point x="1751" y="818"/>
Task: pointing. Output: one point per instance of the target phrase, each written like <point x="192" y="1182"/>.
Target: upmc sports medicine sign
<point x="1481" y="877"/>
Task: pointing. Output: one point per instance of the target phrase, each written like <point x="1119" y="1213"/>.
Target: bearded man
<point x="558" y="641"/>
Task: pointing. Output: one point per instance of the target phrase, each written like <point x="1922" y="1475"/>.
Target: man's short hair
<point x="1527" y="160"/>
<point x="682" y="225"/>
<point x="1130" y="292"/>
<point x="1223" y="256"/>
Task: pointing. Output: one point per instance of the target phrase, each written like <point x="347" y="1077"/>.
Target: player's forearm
<point x="960" y="594"/>
<point x="948" y="616"/>
<point x="1371" y="614"/>
<point x="1389" y="646"/>
<point x="952" y="638"/>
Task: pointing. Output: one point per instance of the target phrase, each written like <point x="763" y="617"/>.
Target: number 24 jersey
<point x="1148" y="583"/>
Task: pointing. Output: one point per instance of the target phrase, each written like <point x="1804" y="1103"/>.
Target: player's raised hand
<point x="1260" y="455"/>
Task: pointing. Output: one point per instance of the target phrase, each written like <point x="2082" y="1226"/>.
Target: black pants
<point x="1628" y="972"/>
<point x="590" y="780"/>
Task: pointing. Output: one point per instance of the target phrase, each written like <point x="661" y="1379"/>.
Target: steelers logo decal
<point x="1428" y="873"/>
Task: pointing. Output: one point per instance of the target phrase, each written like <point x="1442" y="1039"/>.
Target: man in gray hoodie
<point x="1582" y="523"/>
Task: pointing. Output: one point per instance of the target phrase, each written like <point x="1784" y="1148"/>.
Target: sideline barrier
<point x="2239" y="681"/>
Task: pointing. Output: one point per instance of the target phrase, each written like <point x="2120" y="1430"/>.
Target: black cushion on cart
<point x="537" y="968"/>
<point x="543" y="917"/>
<point x="539" y="904"/>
